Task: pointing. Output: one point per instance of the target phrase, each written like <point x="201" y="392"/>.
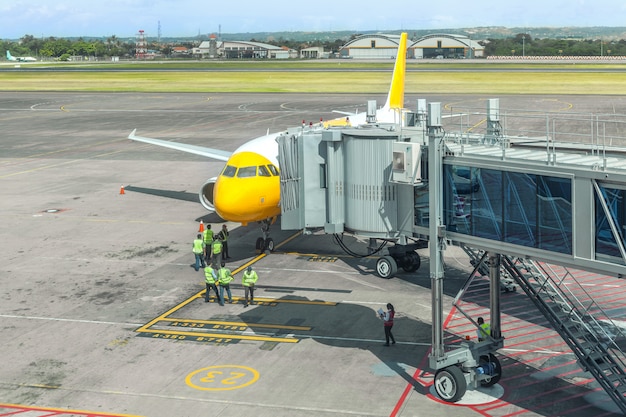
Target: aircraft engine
<point x="206" y="194"/>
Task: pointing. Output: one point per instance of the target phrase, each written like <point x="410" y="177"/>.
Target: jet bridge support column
<point x="471" y="364"/>
<point x="494" y="295"/>
<point x="436" y="228"/>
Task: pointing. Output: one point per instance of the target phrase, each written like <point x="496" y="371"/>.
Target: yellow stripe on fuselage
<point x="247" y="199"/>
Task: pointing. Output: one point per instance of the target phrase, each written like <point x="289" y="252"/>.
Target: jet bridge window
<point x="229" y="171"/>
<point x="246" y="172"/>
<point x="608" y="242"/>
<point x="520" y="208"/>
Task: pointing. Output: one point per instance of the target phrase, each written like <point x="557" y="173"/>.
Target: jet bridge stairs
<point x="573" y="313"/>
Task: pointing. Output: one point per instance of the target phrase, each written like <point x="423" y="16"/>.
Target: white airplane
<point x="248" y="188"/>
<point x="20" y="58"/>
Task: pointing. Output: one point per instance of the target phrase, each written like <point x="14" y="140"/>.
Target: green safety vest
<point x="208" y="236"/>
<point x="225" y="276"/>
<point x="209" y="275"/>
<point x="198" y="246"/>
<point x="485" y="331"/>
<point x="224" y="234"/>
<point x="249" y="279"/>
<point x="217" y="247"/>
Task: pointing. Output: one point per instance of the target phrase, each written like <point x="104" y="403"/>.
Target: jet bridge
<point x="515" y="203"/>
<point x="343" y="180"/>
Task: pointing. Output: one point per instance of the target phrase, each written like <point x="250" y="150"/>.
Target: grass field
<point x="319" y="77"/>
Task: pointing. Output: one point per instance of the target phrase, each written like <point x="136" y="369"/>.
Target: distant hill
<point x="478" y="33"/>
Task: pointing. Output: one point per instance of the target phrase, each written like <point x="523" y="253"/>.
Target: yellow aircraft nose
<point x="246" y="200"/>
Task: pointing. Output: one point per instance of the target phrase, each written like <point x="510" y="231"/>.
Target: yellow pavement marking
<point x="222" y="378"/>
<point x="223" y="336"/>
<point x="242" y="324"/>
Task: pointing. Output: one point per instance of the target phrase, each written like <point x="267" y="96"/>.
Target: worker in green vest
<point x="198" y="251"/>
<point x="210" y="277"/>
<point x="248" y="280"/>
<point x="208" y="240"/>
<point x="216" y="250"/>
<point x="225" y="277"/>
<point x="484" y="330"/>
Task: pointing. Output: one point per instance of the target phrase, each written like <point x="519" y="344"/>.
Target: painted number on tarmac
<point x="222" y="378"/>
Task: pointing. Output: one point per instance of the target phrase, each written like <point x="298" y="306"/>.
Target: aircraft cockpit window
<point x="273" y="169"/>
<point x="263" y="171"/>
<point x="229" y="171"/>
<point x="245" y="172"/>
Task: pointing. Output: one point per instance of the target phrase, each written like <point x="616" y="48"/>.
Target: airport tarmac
<point x="102" y="315"/>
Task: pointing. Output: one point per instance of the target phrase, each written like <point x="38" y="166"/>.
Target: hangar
<point x="446" y="46"/>
<point x="377" y="46"/>
<point x="430" y="46"/>
<point x="240" y="49"/>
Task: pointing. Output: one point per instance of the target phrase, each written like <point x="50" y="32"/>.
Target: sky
<point x="177" y="18"/>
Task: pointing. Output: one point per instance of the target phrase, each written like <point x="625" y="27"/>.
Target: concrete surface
<point x="100" y="311"/>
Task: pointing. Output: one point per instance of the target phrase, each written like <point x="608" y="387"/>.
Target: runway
<point x="102" y="315"/>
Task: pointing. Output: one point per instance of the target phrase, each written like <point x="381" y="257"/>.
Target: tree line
<point x="518" y="45"/>
<point x="523" y="44"/>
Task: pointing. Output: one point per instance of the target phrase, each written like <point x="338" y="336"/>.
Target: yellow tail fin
<point x="395" y="99"/>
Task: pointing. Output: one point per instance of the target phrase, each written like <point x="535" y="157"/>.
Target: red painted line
<point x="57" y="411"/>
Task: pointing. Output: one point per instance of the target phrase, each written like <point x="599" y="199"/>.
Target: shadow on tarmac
<point x="352" y="326"/>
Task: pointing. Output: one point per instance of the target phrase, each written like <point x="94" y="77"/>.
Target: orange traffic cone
<point x="122" y="190"/>
<point x="201" y="229"/>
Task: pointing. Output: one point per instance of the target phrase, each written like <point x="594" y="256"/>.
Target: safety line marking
<point x="223" y="336"/>
<point x="241" y="324"/>
<point x="57" y="411"/>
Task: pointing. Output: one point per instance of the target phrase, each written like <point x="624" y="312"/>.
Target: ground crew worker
<point x="210" y="277"/>
<point x="484" y="330"/>
<point x="249" y="280"/>
<point x="208" y="240"/>
<point x="225" y="277"/>
<point x="387" y="317"/>
<point x="198" y="251"/>
<point x="224" y="238"/>
<point x="216" y="250"/>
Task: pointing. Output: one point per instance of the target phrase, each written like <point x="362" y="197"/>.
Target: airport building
<point x="372" y="46"/>
<point x="241" y="50"/>
<point x="440" y="46"/>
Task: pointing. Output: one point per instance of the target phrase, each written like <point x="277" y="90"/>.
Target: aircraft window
<point x="244" y="172"/>
<point x="263" y="171"/>
<point x="229" y="171"/>
<point x="273" y="169"/>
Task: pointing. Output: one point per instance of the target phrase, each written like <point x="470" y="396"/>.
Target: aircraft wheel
<point x="269" y="244"/>
<point x="412" y="262"/>
<point x="450" y="384"/>
<point x="496" y="370"/>
<point x="386" y="267"/>
<point x="260" y="243"/>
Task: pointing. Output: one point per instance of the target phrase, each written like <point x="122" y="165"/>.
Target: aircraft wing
<point x="218" y="154"/>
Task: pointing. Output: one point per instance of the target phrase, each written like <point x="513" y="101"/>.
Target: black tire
<point x="260" y="243"/>
<point x="386" y="267"/>
<point x="497" y="371"/>
<point x="450" y="384"/>
<point x="412" y="262"/>
<point x="269" y="244"/>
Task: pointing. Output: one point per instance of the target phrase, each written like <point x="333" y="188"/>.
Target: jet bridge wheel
<point x="386" y="267"/>
<point x="450" y="384"/>
<point x="496" y="369"/>
<point x="411" y="262"/>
